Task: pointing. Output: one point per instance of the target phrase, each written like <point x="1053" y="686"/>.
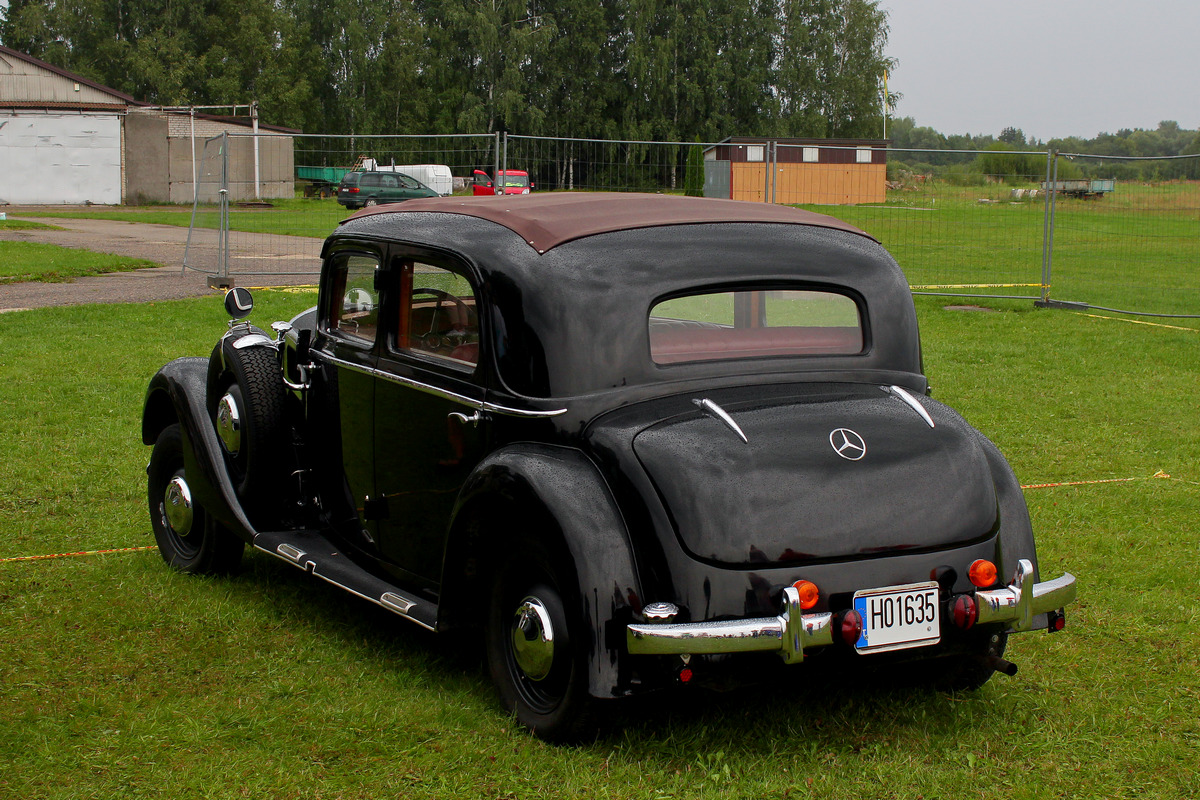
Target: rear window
<point x="350" y="179"/>
<point x="754" y="324"/>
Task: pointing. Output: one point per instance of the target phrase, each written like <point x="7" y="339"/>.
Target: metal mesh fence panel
<point x="1126" y="233"/>
<point x="973" y="232"/>
<point x="1102" y="232"/>
<point x="596" y="165"/>
<point x="205" y="242"/>
<point x="261" y="246"/>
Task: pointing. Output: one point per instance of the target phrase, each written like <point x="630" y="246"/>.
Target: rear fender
<point x="177" y="394"/>
<point x="556" y="492"/>
<point x="1016" y="530"/>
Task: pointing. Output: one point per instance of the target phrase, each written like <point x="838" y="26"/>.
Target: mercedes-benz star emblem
<point x="847" y="444"/>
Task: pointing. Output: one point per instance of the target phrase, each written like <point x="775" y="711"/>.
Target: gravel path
<point x="256" y="259"/>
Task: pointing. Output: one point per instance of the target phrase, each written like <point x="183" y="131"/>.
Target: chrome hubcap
<point x="533" y="639"/>
<point x="177" y="506"/>
<point x="229" y="424"/>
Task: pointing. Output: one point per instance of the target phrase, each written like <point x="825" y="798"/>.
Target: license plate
<point x="897" y="617"/>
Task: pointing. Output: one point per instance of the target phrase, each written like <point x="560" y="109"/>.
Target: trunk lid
<point x="843" y="471"/>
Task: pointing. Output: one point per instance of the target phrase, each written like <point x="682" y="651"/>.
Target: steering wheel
<point x="431" y="338"/>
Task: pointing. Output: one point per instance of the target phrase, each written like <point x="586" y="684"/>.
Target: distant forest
<point x="664" y="70"/>
<point x="668" y="70"/>
<point x="989" y="155"/>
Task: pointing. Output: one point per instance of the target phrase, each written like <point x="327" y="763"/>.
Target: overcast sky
<point x="1052" y="68"/>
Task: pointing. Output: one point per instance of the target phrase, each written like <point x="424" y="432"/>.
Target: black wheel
<point x="535" y="648"/>
<point x="370" y="202"/>
<point x="188" y="538"/>
<point x="247" y="409"/>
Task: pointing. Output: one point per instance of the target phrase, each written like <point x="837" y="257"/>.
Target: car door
<point x="350" y="327"/>
<point x="428" y="429"/>
<point x="370" y="188"/>
<point x="410" y="187"/>
<point x="389" y="188"/>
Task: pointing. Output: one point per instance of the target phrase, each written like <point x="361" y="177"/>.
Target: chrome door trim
<point x="444" y="394"/>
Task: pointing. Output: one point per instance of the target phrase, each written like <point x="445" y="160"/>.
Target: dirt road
<point x="256" y="259"/>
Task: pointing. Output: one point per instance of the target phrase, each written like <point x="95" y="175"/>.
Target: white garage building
<point x="60" y="134"/>
<point x="65" y="140"/>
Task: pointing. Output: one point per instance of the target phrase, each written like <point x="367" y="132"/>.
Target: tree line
<point x="673" y="70"/>
<point x="964" y="157"/>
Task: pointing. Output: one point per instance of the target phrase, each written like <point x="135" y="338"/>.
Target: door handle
<point x="473" y="419"/>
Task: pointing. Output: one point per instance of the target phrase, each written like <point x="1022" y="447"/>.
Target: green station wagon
<point x="360" y="189"/>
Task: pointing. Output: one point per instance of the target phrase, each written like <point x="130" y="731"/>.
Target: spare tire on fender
<point x="246" y="402"/>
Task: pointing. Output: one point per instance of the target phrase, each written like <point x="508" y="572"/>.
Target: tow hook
<point x="1000" y="665"/>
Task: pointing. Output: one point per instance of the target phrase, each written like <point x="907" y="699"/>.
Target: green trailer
<point x="321" y="181"/>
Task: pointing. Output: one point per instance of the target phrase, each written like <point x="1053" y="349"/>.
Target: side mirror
<point x="239" y="302"/>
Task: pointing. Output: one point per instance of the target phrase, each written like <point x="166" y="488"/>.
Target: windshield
<point x="516" y="181"/>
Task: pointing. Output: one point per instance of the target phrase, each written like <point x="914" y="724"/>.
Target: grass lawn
<point x="32" y="261"/>
<point x="1133" y="250"/>
<point x="120" y="678"/>
<point x="11" y="224"/>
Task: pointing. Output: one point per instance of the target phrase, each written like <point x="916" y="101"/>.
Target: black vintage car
<point x="637" y="441"/>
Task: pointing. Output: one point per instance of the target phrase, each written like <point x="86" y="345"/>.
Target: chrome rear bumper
<point x="793" y="631"/>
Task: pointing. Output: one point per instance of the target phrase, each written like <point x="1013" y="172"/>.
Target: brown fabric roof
<point x="547" y="220"/>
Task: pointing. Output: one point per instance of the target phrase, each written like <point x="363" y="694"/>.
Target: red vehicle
<point x="514" y="181"/>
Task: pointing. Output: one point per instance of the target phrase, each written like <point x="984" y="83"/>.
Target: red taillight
<point x="982" y="573"/>
<point x="965" y="611"/>
<point x="353" y="190"/>
<point x="809" y="594"/>
<point x="1058" y="621"/>
<point x="685" y="675"/>
<point x="851" y="628"/>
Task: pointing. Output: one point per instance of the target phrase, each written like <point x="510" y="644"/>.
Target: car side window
<point x="388" y="181"/>
<point x="438" y="314"/>
<point x="370" y="179"/>
<point x="407" y="182"/>
<point x="354" y="311"/>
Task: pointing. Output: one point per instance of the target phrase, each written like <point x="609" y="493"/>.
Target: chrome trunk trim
<point x="715" y="411"/>
<point x="912" y="402"/>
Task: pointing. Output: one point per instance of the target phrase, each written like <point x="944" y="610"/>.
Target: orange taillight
<point x="982" y="573"/>
<point x="809" y="594"/>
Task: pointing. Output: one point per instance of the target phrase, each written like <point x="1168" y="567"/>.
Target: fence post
<point x="495" y="160"/>
<point x="1048" y="265"/>
<point x="767" y="171"/>
<point x="1048" y="187"/>
<point x="224" y="234"/>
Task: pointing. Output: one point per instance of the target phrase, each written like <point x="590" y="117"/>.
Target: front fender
<point x="560" y="488"/>
<point x="177" y="394"/>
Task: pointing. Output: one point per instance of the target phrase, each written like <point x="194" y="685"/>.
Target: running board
<point x="313" y="553"/>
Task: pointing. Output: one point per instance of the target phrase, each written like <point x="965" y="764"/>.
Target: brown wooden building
<point x="789" y="171"/>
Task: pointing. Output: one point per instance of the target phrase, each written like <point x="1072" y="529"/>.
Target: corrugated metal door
<point x="60" y="158"/>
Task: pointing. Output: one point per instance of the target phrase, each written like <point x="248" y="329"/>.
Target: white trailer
<point x="435" y="176"/>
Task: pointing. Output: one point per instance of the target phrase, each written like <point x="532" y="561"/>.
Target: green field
<point x="1133" y="250"/>
<point x="120" y="678"/>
